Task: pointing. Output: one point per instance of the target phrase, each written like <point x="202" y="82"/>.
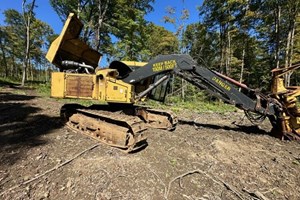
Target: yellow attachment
<point x="291" y="97"/>
<point x="68" y="46"/>
<point x="288" y="97"/>
<point x="279" y="72"/>
<point x="295" y="123"/>
<point x="278" y="86"/>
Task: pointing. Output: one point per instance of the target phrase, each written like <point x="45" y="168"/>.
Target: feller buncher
<point x="121" y="123"/>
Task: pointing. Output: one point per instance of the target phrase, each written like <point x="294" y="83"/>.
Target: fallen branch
<point x="183" y="175"/>
<point x="4" y="177"/>
<point x="229" y="187"/>
<point x="50" y="170"/>
<point x="256" y="194"/>
<point x="219" y="182"/>
<point x="157" y="177"/>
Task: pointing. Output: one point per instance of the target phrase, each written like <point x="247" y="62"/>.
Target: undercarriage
<point x="123" y="127"/>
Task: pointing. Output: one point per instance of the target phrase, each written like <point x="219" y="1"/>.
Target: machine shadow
<point x="7" y="84"/>
<point x="21" y="127"/>
<point x="248" y="129"/>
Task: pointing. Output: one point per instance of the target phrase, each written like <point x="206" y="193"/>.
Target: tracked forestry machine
<point x="121" y="123"/>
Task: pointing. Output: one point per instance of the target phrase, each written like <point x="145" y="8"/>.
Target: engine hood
<point x="69" y="46"/>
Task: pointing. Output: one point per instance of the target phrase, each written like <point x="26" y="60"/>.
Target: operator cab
<point x="160" y="92"/>
<point x="124" y="68"/>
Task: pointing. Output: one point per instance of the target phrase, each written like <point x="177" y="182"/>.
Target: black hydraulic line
<point x="232" y="81"/>
<point x="71" y="64"/>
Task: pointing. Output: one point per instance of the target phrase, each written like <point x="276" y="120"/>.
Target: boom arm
<point x="216" y="84"/>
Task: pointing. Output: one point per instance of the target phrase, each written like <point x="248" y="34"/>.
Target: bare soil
<point x="223" y="157"/>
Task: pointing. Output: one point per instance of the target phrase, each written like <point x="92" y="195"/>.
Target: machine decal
<point x="165" y="65"/>
<point x="221" y="83"/>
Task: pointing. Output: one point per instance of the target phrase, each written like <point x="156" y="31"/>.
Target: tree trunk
<point x="27" y="20"/>
<point x="182" y="89"/>
<point x="222" y="51"/>
<point x="102" y="9"/>
<point x="228" y="56"/>
<point x="31" y="70"/>
<point x="172" y="84"/>
<point x="46" y="73"/>
<point x="288" y="78"/>
<point x="242" y="66"/>
<point x="4" y="59"/>
<point x="99" y="25"/>
<point x="288" y="57"/>
<point x="290" y="40"/>
<point x="14" y="70"/>
<point x="78" y="9"/>
<point x="25" y="63"/>
<point x="287" y="49"/>
<point x="277" y="24"/>
<point x="227" y="47"/>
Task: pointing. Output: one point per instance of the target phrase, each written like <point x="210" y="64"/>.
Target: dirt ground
<point x="214" y="160"/>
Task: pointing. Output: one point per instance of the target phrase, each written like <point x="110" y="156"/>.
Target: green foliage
<point x="12" y="45"/>
<point x="131" y="30"/>
<point x="44" y="89"/>
<point x="83" y="102"/>
<point x="6" y="81"/>
<point x="245" y="39"/>
<point x="200" y="104"/>
<point x="173" y="162"/>
<point x="240" y="38"/>
<point x="202" y="44"/>
<point x="161" y="41"/>
<point x="108" y="20"/>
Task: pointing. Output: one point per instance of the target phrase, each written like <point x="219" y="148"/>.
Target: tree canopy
<point x="239" y="38"/>
<point x="13" y="44"/>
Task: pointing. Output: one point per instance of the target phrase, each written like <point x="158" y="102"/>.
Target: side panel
<point x="118" y="91"/>
<point x="79" y="86"/>
<point x="85" y="86"/>
<point x="67" y="85"/>
<point x="102" y="90"/>
<point x="57" y="84"/>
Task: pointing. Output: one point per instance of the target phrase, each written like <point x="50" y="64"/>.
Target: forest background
<point x="243" y="39"/>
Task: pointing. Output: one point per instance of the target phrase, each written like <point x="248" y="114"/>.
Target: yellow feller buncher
<point x="121" y="123"/>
